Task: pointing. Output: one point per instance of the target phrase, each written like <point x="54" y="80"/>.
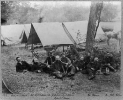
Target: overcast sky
<point x="61" y="3"/>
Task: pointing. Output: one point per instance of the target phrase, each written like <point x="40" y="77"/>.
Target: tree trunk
<point x="94" y="20"/>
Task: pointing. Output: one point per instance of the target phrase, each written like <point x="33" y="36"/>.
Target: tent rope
<point x="68" y="34"/>
<point x="71" y="38"/>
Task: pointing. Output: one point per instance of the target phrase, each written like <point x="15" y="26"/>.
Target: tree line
<point x="22" y="13"/>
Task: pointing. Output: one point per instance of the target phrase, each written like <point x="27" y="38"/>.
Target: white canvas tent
<point x="49" y="34"/>
<point x="81" y="27"/>
<point x="11" y="33"/>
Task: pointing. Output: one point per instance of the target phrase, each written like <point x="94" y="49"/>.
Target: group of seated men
<point x="62" y="66"/>
<point x="54" y="65"/>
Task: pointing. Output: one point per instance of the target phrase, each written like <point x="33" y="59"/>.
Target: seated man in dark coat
<point x="109" y="58"/>
<point x="70" y="54"/>
<point x="66" y="61"/>
<point x="37" y="65"/>
<point x="92" y="68"/>
<point x="49" y="61"/>
<point x="79" y="64"/>
<point x="22" y="65"/>
<point x="108" y="64"/>
<point x="58" y="68"/>
<point x="69" y="68"/>
<point x="87" y="59"/>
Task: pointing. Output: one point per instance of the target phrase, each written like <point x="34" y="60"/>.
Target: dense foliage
<point x="22" y="12"/>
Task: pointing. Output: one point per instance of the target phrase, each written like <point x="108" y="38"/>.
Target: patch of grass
<point x="41" y="83"/>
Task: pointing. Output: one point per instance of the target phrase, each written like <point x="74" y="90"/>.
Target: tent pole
<point x="32" y="49"/>
<point x="63" y="48"/>
<point x="25" y="45"/>
<point x="32" y="42"/>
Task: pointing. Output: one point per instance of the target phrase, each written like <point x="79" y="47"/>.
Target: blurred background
<point x="24" y="12"/>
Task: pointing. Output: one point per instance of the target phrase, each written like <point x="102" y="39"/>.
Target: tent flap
<point x="33" y="37"/>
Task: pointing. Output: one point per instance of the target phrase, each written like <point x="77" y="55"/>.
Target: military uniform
<point x="58" y="69"/>
<point x="109" y="59"/>
<point x="50" y="60"/>
<point x="37" y="66"/>
<point x="87" y="59"/>
<point x="92" y="68"/>
<point x="22" y="65"/>
<point x="107" y="66"/>
<point x="80" y="64"/>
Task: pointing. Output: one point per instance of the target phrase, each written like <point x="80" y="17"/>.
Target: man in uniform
<point x="58" y="68"/>
<point x="69" y="68"/>
<point x="108" y="64"/>
<point x="66" y="61"/>
<point x="22" y="66"/>
<point x="37" y="66"/>
<point x="49" y="61"/>
<point x="92" y="68"/>
<point x="79" y="64"/>
<point x="71" y="53"/>
<point x="87" y="59"/>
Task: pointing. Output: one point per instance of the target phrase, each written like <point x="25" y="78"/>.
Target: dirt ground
<point x="41" y="83"/>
